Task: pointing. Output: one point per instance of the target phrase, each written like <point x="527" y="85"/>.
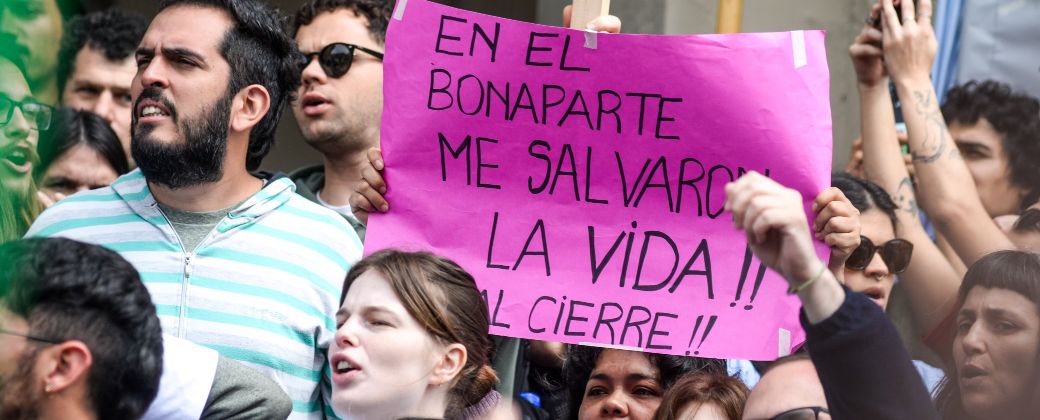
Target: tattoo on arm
<point x="934" y="145"/>
<point x="905" y="198"/>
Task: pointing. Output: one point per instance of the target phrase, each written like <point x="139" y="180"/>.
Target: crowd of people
<point x="152" y="270"/>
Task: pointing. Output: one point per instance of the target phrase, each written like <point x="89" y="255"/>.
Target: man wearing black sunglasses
<point x="339" y="105"/>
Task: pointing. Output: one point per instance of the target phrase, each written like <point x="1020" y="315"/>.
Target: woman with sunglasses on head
<point x="411" y="341"/>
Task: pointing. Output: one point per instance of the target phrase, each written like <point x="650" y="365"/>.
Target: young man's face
<point x="102" y="86"/>
<point x="181" y="99"/>
<point x="334" y="113"/>
<point x="982" y="148"/>
<point x="19" y="135"/>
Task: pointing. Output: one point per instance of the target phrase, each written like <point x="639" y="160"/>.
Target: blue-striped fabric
<point x="263" y="288"/>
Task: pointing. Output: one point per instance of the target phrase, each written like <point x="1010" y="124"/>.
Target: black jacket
<point x="865" y="370"/>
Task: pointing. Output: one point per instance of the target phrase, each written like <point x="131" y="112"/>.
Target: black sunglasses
<point x="895" y="253"/>
<point x="803" y="413"/>
<point x="335" y="59"/>
<point x="38" y="114"/>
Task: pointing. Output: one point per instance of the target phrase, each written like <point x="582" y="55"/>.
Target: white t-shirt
<point x="344" y="210"/>
<point x="188" y="372"/>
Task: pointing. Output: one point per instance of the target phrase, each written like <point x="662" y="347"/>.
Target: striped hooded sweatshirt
<point x="262" y="288"/>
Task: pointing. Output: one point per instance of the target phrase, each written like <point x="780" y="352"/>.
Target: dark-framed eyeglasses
<point x="38" y="114"/>
<point x="335" y="59"/>
<point x="895" y="253"/>
<point x="802" y="413"/>
<point x="30" y="337"/>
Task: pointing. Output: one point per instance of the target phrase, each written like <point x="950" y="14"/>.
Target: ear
<point x="449" y="365"/>
<point x="249" y="107"/>
<point x="65" y="365"/>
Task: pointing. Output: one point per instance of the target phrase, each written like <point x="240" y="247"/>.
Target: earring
<point x="47" y="388"/>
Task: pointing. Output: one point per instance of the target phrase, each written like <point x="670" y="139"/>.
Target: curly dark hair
<point x="376" y="12"/>
<point x="1016" y="116"/>
<point x="114" y="32"/>
<point x="261" y="53"/>
<point x="582" y="360"/>
<point x="68" y="290"/>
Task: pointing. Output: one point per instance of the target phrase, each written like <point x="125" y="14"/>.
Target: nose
<point x="346" y="336"/>
<point x="877" y="269"/>
<point x="616" y="405"/>
<point x="314" y="74"/>
<point x="973" y="342"/>
<point x="153" y="75"/>
<point x="104" y="106"/>
<point x="11" y="24"/>
<point x="18" y="127"/>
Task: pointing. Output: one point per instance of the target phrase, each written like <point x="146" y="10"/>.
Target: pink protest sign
<point x="580" y="177"/>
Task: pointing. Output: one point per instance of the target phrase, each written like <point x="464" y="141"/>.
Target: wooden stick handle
<point x="585" y="11"/>
<point x="730" y="15"/>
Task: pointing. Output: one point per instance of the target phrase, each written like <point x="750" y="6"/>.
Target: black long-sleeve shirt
<point x="865" y="370"/>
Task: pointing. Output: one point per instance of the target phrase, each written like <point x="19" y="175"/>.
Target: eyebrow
<point x="961" y="142"/>
<point x="997" y="312"/>
<point x="365" y="309"/>
<point x="632" y="377"/>
<point x="174" y="52"/>
<point x="989" y="312"/>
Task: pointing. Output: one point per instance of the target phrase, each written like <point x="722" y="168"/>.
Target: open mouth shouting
<point x="344" y="370"/>
<point x="150" y="111"/>
<point x="314" y="104"/>
<point x="18" y="157"/>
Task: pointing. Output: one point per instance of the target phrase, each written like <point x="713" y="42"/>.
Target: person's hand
<point x="49" y="199"/>
<point x="773" y="220"/>
<point x="837" y="224"/>
<point x="909" y="47"/>
<point x="867" y="55"/>
<point x="607" y="23"/>
<point x="368" y="193"/>
<point x="855" y="165"/>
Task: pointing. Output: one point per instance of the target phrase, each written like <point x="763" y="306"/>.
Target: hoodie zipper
<point x="182" y="310"/>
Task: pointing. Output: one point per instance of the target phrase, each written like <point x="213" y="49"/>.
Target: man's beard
<point x="20" y="398"/>
<point x="196" y="158"/>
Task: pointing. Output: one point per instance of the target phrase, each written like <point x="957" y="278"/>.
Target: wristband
<point x="795" y="289"/>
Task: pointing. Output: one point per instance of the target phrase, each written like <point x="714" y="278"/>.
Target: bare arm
<point x="931" y="283"/>
<point x="946" y="190"/>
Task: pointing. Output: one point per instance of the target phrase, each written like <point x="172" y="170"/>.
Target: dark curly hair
<point x="261" y="53"/>
<point x="865" y="194"/>
<point x="68" y="290"/>
<point x="376" y="12"/>
<point x="1016" y="116"/>
<point x="582" y="360"/>
<point x="114" y="32"/>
